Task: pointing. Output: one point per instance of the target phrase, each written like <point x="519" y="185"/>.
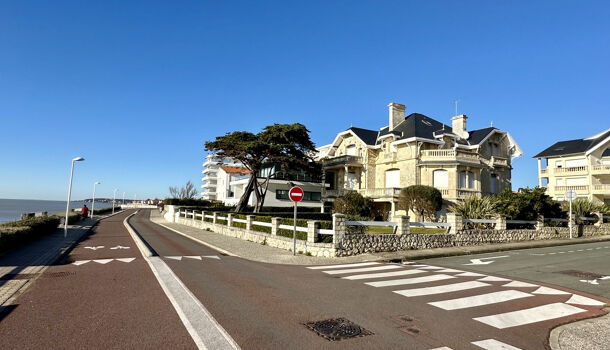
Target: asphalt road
<point x="580" y="267"/>
<point x="267" y="306"/>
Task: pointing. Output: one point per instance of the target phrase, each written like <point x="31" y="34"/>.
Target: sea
<point x="11" y="209"/>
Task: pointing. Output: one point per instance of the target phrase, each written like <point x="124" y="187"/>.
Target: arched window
<point x="440" y="178"/>
<point x="392" y="178"/>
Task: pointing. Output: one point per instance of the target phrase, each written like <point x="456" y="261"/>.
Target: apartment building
<point x="417" y="149"/>
<point x="581" y="165"/>
<point x="209" y="180"/>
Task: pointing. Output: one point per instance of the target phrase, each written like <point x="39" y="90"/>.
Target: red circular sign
<point x="295" y="194"/>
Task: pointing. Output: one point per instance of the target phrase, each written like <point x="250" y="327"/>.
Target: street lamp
<point x="93" y="203"/>
<point x="123" y="197"/>
<point x="113" y="199"/>
<point x="77" y="159"/>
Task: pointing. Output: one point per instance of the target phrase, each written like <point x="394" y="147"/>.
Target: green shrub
<point x="422" y="200"/>
<point x="353" y="204"/>
<point x="475" y="208"/>
<point x="16" y="233"/>
<point x="259" y="228"/>
<point x="527" y="204"/>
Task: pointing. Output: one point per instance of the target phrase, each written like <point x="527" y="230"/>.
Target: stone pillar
<point x="249" y="219"/>
<point x="540" y="222"/>
<point x="339" y="229"/>
<point x="455" y="221"/>
<point x="202" y="216"/>
<point x="312" y="231"/>
<point x="230" y="219"/>
<point x="215" y="217"/>
<point x="600" y="221"/>
<point x="275" y="225"/>
<point x="500" y="223"/>
<point x="402" y="222"/>
<point x="393" y="210"/>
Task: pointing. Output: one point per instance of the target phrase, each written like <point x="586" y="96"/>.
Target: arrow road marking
<point x="95" y="248"/>
<point x="481" y="262"/>
<point x="119" y="247"/>
<point x="590" y="281"/>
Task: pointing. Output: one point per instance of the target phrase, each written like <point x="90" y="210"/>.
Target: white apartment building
<point x="581" y="165"/>
<point x="210" y="175"/>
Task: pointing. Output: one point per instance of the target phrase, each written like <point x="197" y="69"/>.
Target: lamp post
<point x="93" y="203"/>
<point x="77" y="159"/>
<point x="123" y="197"/>
<point x="134" y="201"/>
<point x="113" y="199"/>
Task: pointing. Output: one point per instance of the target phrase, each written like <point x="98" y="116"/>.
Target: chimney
<point x="458" y="124"/>
<point x="397" y="114"/>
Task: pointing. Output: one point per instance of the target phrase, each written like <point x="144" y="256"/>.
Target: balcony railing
<point x="376" y="193"/>
<point x="447" y="154"/>
<point x="463" y="193"/>
<point x="499" y="161"/>
<point x="601" y="189"/>
<point x="575" y="170"/>
<point x="342" y="160"/>
<point x="578" y="189"/>
<point x="544" y="171"/>
<point x="601" y="169"/>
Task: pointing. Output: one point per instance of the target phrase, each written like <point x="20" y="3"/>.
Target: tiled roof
<point x="368" y="136"/>
<point x="235" y="170"/>
<point x="574" y="146"/>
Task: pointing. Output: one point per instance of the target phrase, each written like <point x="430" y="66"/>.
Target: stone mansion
<point x="416" y="149"/>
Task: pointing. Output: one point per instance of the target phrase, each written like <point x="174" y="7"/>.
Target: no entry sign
<point x="295" y="194"/>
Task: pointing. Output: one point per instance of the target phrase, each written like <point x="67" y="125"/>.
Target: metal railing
<point x="342" y="160"/>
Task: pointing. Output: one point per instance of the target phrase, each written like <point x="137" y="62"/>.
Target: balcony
<point x="210" y="170"/>
<point x="341" y="161"/>
<point x="584" y="189"/>
<point x="443" y="155"/>
<point x="498" y="161"/>
<point x="603" y="169"/>
<point x="209" y="185"/>
<point x="577" y="170"/>
<point x="380" y="193"/>
<point x="463" y="193"/>
<point x="601" y="189"/>
<point x="208" y="178"/>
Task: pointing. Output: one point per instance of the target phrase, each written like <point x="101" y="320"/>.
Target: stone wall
<point x="354" y="244"/>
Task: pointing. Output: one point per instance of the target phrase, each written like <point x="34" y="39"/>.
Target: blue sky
<point x="137" y="87"/>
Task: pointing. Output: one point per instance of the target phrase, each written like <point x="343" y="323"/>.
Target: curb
<point x="146" y="253"/>
<point x="199" y="241"/>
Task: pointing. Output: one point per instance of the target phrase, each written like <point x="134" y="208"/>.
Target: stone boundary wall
<point x="354" y="244"/>
<point x="315" y="249"/>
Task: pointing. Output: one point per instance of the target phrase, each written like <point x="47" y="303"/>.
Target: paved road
<point x="266" y="306"/>
<point x="102" y="296"/>
<point x="582" y="267"/>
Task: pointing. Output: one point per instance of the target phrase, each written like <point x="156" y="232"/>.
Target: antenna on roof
<point x="492" y="123"/>
<point x="456" y="106"/>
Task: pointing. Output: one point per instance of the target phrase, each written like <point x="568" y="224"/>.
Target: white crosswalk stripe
<point x="363" y="269"/>
<point x="532" y="315"/>
<point x="480" y="300"/>
<point x="493" y="344"/>
<point x="383" y="274"/>
<point x="470" y="274"/>
<point x="414" y="280"/>
<point x="519" y="284"/>
<point x="493" y="279"/>
<point x="580" y="300"/>
<point x="447" y="288"/>
<point x="341" y="266"/>
<point x="549" y="291"/>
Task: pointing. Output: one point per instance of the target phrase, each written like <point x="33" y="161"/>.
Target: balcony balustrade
<point x="576" y="170"/>
<point x="448" y="154"/>
<point x="499" y="161"/>
<point x="342" y="161"/>
<point x="582" y="189"/>
<point x="602" y="169"/>
<point x="601" y="189"/>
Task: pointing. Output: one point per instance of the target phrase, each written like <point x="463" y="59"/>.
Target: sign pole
<point x="570" y="223"/>
<point x="294" y="231"/>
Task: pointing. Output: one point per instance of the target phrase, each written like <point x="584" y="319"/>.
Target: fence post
<point x="455" y="221"/>
<point x="202" y="216"/>
<point x="540" y="222"/>
<point x="275" y="225"/>
<point x="193" y="213"/>
<point x="230" y="219"/>
<point x="215" y="217"/>
<point x="403" y="225"/>
<point x="249" y="219"/>
<point x="339" y="228"/>
<point x="600" y="221"/>
<point x="500" y="223"/>
<point x="312" y="231"/>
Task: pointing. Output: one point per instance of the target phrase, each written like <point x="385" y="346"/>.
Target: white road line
<point x="570" y="251"/>
<point x="443" y="348"/>
<point x="431" y="268"/>
<point x="340" y="266"/>
<point x="103" y="261"/>
<point x="470" y="274"/>
<point x="80" y="262"/>
<point x="493" y="279"/>
<point x="413" y="280"/>
<point x="549" y="291"/>
<point x="126" y="260"/>
<point x="552" y="253"/>
<point x="580" y="250"/>
<point x="479" y="300"/>
<point x="519" y="284"/>
<point x="448" y="288"/>
<point x="492" y="344"/>
<point x="364" y="269"/>
<point x="580" y="300"/>
<point x="196" y="257"/>
<point x="383" y="274"/>
<point x="527" y="316"/>
<point x="449" y="271"/>
<point x="212" y="257"/>
<point x="174" y="257"/>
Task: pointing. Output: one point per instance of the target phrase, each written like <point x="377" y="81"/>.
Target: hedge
<point x="239" y="224"/>
<point x="17" y="233"/>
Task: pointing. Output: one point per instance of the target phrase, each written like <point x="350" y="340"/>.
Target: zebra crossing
<point x="409" y="280"/>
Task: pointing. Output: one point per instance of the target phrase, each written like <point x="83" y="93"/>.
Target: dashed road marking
<point x="174" y="257"/>
<point x="126" y="260"/>
<point x="383" y="274"/>
<point x="341" y="266"/>
<point x="103" y="261"/>
<point x="492" y="344"/>
<point x="470" y="274"/>
<point x="532" y="315"/>
<point x="414" y="280"/>
<point x="493" y="279"/>
<point x="95" y="248"/>
<point x="119" y="247"/>
<point x="447" y="288"/>
<point x="196" y="257"/>
<point x="519" y="284"/>
<point x="480" y="300"/>
<point x="363" y="269"/>
<point x="80" y="262"/>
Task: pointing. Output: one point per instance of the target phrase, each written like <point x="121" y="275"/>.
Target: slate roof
<point x="421" y="126"/>
<point x="574" y="146"/>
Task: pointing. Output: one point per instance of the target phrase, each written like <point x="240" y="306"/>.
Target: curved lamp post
<point x="77" y="159"/>
<point x="93" y="200"/>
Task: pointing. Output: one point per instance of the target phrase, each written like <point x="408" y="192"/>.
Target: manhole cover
<point x="581" y="274"/>
<point x="337" y="329"/>
<point x="57" y="274"/>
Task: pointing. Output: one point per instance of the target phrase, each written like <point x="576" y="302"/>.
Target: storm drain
<point x="338" y="329"/>
<point x="581" y="274"/>
<point x="58" y="274"/>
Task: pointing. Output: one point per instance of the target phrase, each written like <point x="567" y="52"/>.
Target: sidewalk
<point x="20" y="267"/>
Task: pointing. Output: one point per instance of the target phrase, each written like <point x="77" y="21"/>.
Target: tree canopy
<point x="422" y="200"/>
<point x="288" y="145"/>
<point x="187" y="192"/>
<point x="527" y="204"/>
